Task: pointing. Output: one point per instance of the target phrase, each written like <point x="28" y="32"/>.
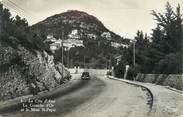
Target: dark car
<point x="85" y="76"/>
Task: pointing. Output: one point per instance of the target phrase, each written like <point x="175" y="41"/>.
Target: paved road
<point x="167" y="103"/>
<point x="98" y="97"/>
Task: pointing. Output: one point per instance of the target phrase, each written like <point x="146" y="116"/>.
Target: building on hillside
<point x="72" y="43"/>
<point x="54" y="47"/>
<point x="117" y="45"/>
<point x="118" y="59"/>
<point x="50" y="38"/>
<point x="106" y="35"/>
<point x="74" y="34"/>
<point x="56" y="44"/>
<point x="92" y="36"/>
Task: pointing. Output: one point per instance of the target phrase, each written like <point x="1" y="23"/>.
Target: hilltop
<point x="86" y="26"/>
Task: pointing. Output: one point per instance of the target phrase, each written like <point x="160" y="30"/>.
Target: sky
<point x="124" y="17"/>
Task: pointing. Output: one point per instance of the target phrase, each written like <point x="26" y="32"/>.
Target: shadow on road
<point x="67" y="98"/>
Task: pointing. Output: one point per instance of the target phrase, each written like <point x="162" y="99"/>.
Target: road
<point x="167" y="103"/>
<point x="98" y="97"/>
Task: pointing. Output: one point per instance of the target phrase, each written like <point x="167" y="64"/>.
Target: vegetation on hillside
<point x="15" y="30"/>
<point x="25" y="66"/>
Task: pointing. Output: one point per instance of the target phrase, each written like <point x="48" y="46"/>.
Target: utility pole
<point x="182" y="63"/>
<point x="134" y="42"/>
<point x="106" y="63"/>
<point x="68" y="61"/>
<point x="84" y="61"/>
<point x="134" y="53"/>
<point x="110" y="64"/>
<point x="62" y="53"/>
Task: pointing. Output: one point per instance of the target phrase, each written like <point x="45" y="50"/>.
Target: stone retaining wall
<point x="173" y="80"/>
<point x="91" y="71"/>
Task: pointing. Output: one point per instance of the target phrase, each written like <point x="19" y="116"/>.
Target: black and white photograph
<point x="91" y="58"/>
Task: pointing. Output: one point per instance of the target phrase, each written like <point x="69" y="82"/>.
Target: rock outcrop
<point x="23" y="72"/>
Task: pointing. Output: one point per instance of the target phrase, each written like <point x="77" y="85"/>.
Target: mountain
<point x="100" y="44"/>
<point x="86" y="26"/>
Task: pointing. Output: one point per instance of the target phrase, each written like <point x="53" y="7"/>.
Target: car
<point x="85" y="76"/>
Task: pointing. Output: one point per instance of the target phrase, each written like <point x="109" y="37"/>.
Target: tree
<point x="141" y="45"/>
<point x="155" y="52"/>
<point x="166" y="47"/>
<point x="171" y="27"/>
<point x="21" y="22"/>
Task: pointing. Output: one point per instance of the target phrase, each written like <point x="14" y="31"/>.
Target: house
<point x="72" y="43"/>
<point x="118" y="59"/>
<point x="106" y="35"/>
<point x="50" y="38"/>
<point x="117" y="45"/>
<point x="56" y="44"/>
<point x="74" y="34"/>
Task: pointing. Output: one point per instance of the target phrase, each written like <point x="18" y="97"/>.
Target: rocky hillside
<point x="25" y="65"/>
<point x="87" y="26"/>
<point x="23" y="72"/>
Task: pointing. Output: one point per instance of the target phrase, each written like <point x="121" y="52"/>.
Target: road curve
<point x="166" y="102"/>
<point x="99" y="97"/>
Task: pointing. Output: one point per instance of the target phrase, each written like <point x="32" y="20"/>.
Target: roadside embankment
<point x="23" y="72"/>
<point x="172" y="80"/>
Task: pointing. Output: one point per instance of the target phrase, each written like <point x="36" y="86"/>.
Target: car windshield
<point x="85" y="74"/>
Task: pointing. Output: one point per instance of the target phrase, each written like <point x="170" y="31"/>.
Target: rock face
<point x="24" y="72"/>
